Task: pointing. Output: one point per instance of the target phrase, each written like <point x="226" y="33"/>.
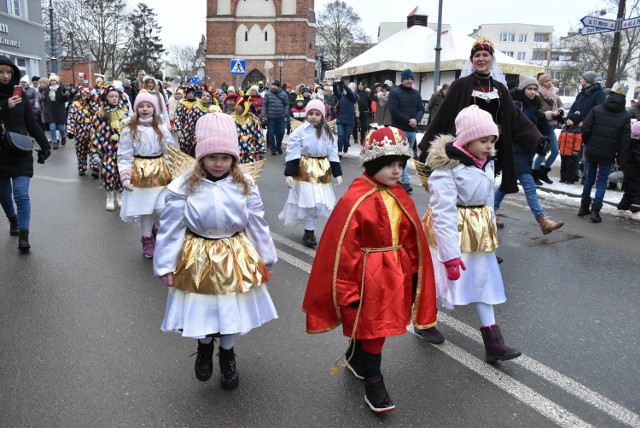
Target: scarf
<point x="549" y="95"/>
<point x="52" y="92"/>
<point x="478" y="161"/>
<point x="145" y="121"/>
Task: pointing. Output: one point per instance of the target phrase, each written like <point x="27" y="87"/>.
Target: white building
<point x="524" y="42"/>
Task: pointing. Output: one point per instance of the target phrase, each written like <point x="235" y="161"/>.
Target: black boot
<point x="13" y="225"/>
<point x="204" y="361"/>
<point x="432" y="335"/>
<point x="495" y="349"/>
<point x="543" y="174"/>
<point x="63" y="141"/>
<point x="584" y="207"/>
<point x="309" y="239"/>
<point x="23" y="241"/>
<point x="375" y="393"/>
<point x="229" y="378"/>
<point x="595" y="212"/>
<point x="355" y="362"/>
<point x="536" y="177"/>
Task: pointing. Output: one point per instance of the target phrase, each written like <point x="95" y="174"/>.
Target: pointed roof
<point x="414" y="48"/>
<point x="419" y="10"/>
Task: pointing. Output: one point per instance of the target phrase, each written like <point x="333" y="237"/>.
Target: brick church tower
<point x="265" y="33"/>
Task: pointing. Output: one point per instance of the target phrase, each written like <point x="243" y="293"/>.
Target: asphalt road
<point x="80" y="343"/>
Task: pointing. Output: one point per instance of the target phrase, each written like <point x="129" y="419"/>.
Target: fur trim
<point x="437" y="158"/>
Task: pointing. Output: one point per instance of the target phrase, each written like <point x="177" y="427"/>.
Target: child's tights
<point x="486" y="314"/>
<point x="147" y="221"/>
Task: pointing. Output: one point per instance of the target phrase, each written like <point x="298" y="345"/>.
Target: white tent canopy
<point x="414" y="48"/>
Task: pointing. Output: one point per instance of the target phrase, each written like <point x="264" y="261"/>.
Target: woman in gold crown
<point x="482" y="83"/>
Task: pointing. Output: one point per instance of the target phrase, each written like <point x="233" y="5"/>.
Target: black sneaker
<point x="432" y="335"/>
<point x="229" y="378"/>
<point x="309" y="239"/>
<point x="204" y="361"/>
<point x="376" y="395"/>
<point x="279" y="151"/>
<point x="355" y="365"/>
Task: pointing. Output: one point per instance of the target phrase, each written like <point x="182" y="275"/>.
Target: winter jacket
<point x="570" y="141"/>
<point x="55" y="111"/>
<point x="523" y="153"/>
<point x="275" y="105"/>
<point x="383" y="115"/>
<point x="586" y="100"/>
<point x="405" y="104"/>
<point x="547" y="108"/>
<point x="30" y="95"/>
<point x="606" y="131"/>
<point x="434" y="104"/>
<point x="364" y="101"/>
<point x="345" y="108"/>
<point x="20" y="119"/>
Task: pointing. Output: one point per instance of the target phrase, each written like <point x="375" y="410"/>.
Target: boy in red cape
<point x="372" y="265"/>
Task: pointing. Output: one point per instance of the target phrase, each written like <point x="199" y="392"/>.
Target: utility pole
<point x="54" y="61"/>
<point x="436" y="70"/>
<point x="73" y="61"/>
<point x="615" y="48"/>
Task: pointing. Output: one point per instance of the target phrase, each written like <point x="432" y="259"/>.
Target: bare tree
<point x="100" y="30"/>
<point x="183" y="58"/>
<point x="338" y="31"/>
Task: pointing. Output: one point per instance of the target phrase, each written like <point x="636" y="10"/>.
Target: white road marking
<point x="59" y="180"/>
<point x="523" y="393"/>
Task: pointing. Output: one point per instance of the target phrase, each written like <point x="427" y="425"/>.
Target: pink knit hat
<point x="216" y="133"/>
<point x="317" y="105"/>
<point x="145" y="97"/>
<point x="473" y="123"/>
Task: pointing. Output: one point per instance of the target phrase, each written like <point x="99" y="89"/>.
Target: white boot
<point x="111" y="201"/>
<point x="119" y="198"/>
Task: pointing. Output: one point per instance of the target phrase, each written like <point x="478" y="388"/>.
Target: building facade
<point x="524" y="42"/>
<point x="22" y="35"/>
<point x="276" y="38"/>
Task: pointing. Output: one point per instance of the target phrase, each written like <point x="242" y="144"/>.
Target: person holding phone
<point x="55" y="111"/>
<point x="16" y="167"/>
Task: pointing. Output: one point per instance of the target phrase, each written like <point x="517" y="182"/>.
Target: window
<point x="266" y="37"/>
<point x="16" y="7"/>
<point x="507" y="37"/>
<point x="540" y="38"/>
<point x="538" y="56"/>
<point x="522" y="38"/>
<point x="246" y="36"/>
<point x="522" y="56"/>
<point x="510" y="53"/>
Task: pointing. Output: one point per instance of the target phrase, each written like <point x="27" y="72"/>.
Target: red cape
<point x="360" y="221"/>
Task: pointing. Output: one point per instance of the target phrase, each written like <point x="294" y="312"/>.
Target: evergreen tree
<point x="146" y="48"/>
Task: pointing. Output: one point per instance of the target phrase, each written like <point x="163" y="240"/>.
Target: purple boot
<point x="147" y="246"/>
<point x="495" y="349"/>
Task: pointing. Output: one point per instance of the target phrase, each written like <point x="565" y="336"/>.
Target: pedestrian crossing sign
<point x="238" y="66"/>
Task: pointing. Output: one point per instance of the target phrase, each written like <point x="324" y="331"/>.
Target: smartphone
<point x="17" y="91"/>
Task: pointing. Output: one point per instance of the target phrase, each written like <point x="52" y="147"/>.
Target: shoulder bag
<point x="14" y="141"/>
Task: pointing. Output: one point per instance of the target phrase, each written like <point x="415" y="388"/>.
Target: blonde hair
<point x="133" y="126"/>
<point x="197" y="173"/>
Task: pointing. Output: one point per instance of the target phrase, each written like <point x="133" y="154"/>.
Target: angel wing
<point x="423" y="172"/>
<point x="180" y="162"/>
<point x="294" y="123"/>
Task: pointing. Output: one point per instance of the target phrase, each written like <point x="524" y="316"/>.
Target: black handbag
<point x="14" y="141"/>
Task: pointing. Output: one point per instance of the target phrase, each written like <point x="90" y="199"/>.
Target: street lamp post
<point x="280" y="65"/>
<point x="54" y="61"/>
<point x="73" y="61"/>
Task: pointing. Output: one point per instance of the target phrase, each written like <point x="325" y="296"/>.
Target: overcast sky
<point x="183" y="21"/>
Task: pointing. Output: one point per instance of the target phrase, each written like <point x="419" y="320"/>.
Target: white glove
<point x="338" y="180"/>
<point x="289" y="181"/>
<point x="127" y="185"/>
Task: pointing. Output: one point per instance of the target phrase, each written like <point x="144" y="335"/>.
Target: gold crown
<point x="386" y="141"/>
<point x="482" y="42"/>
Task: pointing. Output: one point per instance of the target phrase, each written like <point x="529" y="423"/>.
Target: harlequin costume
<point x="215" y="242"/>
<point x="250" y="137"/>
<point x="79" y="127"/>
<point x="108" y="124"/>
<point x="372" y="267"/>
<point x="182" y="120"/>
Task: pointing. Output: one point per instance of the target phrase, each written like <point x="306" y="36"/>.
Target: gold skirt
<point x="150" y="172"/>
<point x="314" y="170"/>
<point x="477" y="232"/>
<point x="219" y="266"/>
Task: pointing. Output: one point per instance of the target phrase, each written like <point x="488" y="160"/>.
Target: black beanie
<point x="375" y="165"/>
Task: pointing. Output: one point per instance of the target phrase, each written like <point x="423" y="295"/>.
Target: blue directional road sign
<point x="587" y="31"/>
<point x="630" y="23"/>
<point x="238" y="66"/>
<point x="594" y="21"/>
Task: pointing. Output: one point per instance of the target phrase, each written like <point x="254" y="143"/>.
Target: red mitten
<point x="453" y="268"/>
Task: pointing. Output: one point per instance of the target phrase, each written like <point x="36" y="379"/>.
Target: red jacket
<point x="361" y="221"/>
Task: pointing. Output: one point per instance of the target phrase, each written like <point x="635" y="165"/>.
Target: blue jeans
<point x="529" y="186"/>
<point x="411" y="138"/>
<point x="344" y="133"/>
<point x="60" y="127"/>
<point x="602" y="171"/>
<point x="553" y="154"/>
<point x="16" y="189"/>
<point x="275" y="132"/>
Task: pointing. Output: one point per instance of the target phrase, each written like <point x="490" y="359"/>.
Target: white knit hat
<point x="25" y="78"/>
<point x="54" y="76"/>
